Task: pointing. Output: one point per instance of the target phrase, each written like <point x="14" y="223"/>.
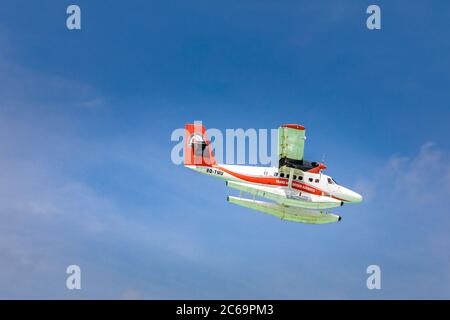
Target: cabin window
<point x="295" y="177"/>
<point x="281" y="175"/>
<point x="275" y="174"/>
<point x="287" y="176"/>
<point x="330" y="181"/>
<point x="300" y="178"/>
<point x="317" y="181"/>
<point x="310" y="179"/>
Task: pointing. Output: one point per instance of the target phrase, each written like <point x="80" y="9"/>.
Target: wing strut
<point x="291" y="177"/>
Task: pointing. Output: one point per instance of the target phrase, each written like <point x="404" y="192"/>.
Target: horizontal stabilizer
<point x="286" y="213"/>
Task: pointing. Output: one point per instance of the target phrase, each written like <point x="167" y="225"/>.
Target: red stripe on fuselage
<point x="276" y="182"/>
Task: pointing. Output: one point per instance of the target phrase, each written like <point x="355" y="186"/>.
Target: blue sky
<point x="85" y="124"/>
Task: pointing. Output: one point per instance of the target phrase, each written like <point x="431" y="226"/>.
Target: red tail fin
<point x="197" y="150"/>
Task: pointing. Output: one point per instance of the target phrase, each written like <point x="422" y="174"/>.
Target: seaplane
<point x="297" y="189"/>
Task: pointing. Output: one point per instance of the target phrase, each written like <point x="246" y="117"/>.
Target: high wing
<point x="291" y="144"/>
<point x="291" y="149"/>
<point x="287" y="213"/>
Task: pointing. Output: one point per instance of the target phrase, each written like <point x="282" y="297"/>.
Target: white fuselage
<point x="307" y="190"/>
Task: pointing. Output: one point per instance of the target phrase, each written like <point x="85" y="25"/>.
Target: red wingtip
<point x="293" y="126"/>
<point x="319" y="168"/>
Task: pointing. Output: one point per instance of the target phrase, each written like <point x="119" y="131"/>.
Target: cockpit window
<point x="330" y="181"/>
